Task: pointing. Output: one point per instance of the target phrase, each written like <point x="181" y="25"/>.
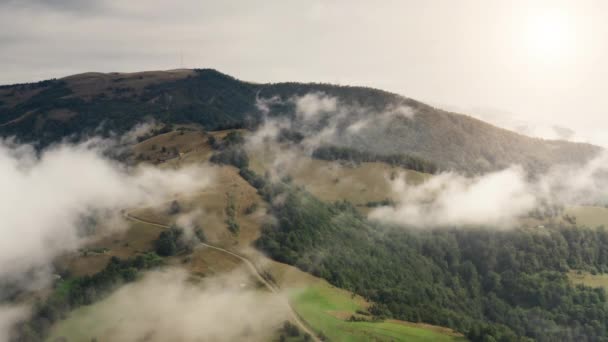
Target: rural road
<point x="272" y="288"/>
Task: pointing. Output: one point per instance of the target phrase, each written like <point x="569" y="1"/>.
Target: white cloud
<point x="496" y="199"/>
<point x="10" y="315"/>
<point x="451" y="199"/>
<point x="45" y="198"/>
<point x="310" y="106"/>
<point x="221" y="308"/>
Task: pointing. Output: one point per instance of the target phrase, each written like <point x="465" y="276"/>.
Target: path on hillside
<point x="251" y="268"/>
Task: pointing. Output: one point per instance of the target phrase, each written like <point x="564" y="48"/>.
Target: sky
<point x="537" y="67"/>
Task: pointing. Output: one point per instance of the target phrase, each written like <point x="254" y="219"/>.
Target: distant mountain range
<point x="100" y="103"/>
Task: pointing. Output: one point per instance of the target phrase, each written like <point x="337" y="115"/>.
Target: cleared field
<point x="332" y="180"/>
<point x="208" y="210"/>
<point x="92" y="258"/>
<point x="589" y="216"/>
<point x="586" y="278"/>
<point x="327" y="309"/>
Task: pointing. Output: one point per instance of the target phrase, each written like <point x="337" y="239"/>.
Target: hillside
<point x="48" y="111"/>
<point x="325" y="308"/>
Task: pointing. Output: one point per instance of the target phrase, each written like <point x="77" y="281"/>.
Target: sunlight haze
<point x="523" y="65"/>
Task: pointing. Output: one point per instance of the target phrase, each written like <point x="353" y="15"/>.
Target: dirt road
<point x="271" y="287"/>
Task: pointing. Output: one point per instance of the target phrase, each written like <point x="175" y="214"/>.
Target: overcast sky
<point x="539" y="67"/>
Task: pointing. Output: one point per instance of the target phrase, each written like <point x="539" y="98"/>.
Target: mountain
<point x="48" y="111"/>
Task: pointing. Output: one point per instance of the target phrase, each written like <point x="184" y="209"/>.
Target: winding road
<point x="271" y="287"/>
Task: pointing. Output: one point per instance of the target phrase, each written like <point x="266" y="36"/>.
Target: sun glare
<point x="551" y="36"/>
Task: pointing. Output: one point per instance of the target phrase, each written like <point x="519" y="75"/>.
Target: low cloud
<point x="53" y="199"/>
<point x="319" y="119"/>
<point x="310" y="106"/>
<point x="169" y="306"/>
<point x="496" y="199"/>
<point x="140" y="130"/>
<point x="451" y="199"/>
<point x="10" y="315"/>
<point x="189" y="222"/>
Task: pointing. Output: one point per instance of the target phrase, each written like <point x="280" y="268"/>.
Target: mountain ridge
<point x="77" y="105"/>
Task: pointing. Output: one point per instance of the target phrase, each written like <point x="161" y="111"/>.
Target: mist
<point x="319" y="119"/>
<point x="10" y="315"/>
<point x="169" y="305"/>
<point x="497" y="199"/>
<point x="58" y="199"/>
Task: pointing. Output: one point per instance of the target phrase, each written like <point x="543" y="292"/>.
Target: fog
<point x="10" y="315"/>
<point x="450" y="199"/>
<point x="322" y="119"/>
<point x="52" y="200"/>
<point x="497" y="199"/>
<point x="168" y="305"/>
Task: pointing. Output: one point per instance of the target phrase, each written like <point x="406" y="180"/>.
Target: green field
<point x="326" y="310"/>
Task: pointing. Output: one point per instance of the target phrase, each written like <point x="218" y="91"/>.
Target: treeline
<point x="491" y="285"/>
<point x="209" y="98"/>
<point x="229" y="150"/>
<point x="28" y="85"/>
<point x="74" y="292"/>
<point x="356" y="156"/>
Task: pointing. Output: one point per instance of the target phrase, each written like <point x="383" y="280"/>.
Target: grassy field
<point x="586" y="278"/>
<point x="333" y="181"/>
<point x="327" y="309"/>
<point x="92" y="258"/>
<point x="589" y="216"/>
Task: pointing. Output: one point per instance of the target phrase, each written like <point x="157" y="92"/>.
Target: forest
<point x="491" y="285"/>
<point x="357" y="157"/>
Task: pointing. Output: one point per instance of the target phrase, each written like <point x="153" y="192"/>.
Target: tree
<point x="166" y="244"/>
<point x="174" y="208"/>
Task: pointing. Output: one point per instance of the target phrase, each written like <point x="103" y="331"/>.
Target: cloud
<point x="188" y="222"/>
<point x="10" y="315"/>
<point x="47" y="196"/>
<point x="324" y="119"/>
<point x="495" y="199"/>
<point x="319" y="119"/>
<point x="169" y="306"/>
<point x="380" y="120"/>
<point x="140" y="130"/>
<point x="450" y="199"/>
<point x="310" y="106"/>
